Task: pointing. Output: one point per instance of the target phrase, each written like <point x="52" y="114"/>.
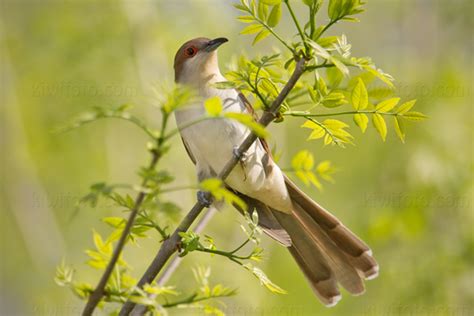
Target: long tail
<point x="326" y="251"/>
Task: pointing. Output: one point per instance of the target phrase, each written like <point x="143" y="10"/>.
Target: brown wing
<point x="250" y="109"/>
<point x="188" y="151"/>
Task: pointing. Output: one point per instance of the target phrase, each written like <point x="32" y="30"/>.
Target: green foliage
<point x="156" y="298"/>
<point x="261" y="77"/>
<point x="331" y="130"/>
<point x="264" y="280"/>
<point x="342" y="9"/>
<point x="213" y="108"/>
<point x="262" y="22"/>
<point x="334" y="87"/>
<point x="172" y="99"/>
<point x="249" y="121"/>
<point x="220" y="193"/>
<point x="359" y="96"/>
<point x="303" y="166"/>
<point x="191" y="242"/>
<point x="98" y="113"/>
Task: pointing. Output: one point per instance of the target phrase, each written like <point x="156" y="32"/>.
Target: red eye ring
<point x="190" y="51"/>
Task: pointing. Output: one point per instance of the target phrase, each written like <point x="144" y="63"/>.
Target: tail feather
<point x="325" y="250"/>
<point x="325" y="290"/>
<point x="356" y="251"/>
<point x="310" y="259"/>
<point x="345" y="272"/>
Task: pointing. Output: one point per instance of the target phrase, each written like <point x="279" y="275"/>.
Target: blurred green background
<point x="411" y="202"/>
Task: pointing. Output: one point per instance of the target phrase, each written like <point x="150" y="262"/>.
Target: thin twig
<point x="300" y="30"/>
<point x="308" y="114"/>
<point x="176" y="260"/>
<point x="99" y="291"/>
<point x="170" y="245"/>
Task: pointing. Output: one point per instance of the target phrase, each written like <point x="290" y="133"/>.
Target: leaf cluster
<point x="192" y="242"/>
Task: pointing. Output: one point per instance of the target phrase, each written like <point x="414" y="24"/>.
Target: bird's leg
<point x="204" y="198"/>
<point x="242" y="157"/>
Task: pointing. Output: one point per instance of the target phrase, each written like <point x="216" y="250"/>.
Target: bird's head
<point x="196" y="60"/>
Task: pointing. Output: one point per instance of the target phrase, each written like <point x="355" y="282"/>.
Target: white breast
<point x="211" y="143"/>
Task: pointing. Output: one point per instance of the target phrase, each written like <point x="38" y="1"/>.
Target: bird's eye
<point x="190" y="51"/>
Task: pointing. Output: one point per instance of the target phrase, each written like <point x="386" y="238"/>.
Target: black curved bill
<point x="215" y="43"/>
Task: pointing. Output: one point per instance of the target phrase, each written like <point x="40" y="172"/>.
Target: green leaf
<point x="303" y="164"/>
<point x="334" y="99"/>
<point x="303" y="160"/>
<point x="334" y="9"/>
<point x="387" y="79"/>
<point x="98" y="242"/>
<point x="405" y="107"/>
<point x="313" y="94"/>
<point x="340" y="65"/>
<point x="325" y="170"/>
<point x="262" y="11"/>
<point x="308" y="2"/>
<point x="83" y="290"/>
<point x="240" y="7"/>
<point x="213" y="106"/>
<point x="327" y="41"/>
<point x="160" y="290"/>
<point x="380" y="125"/>
<point x="246" y="19"/>
<point x="115" y="222"/>
<point x="217" y="188"/>
<point x="264" y="280"/>
<point x="175" y="98"/>
<point x="359" y="96"/>
<point x="386" y="105"/>
<point x="251" y="29"/>
<point x="318" y="131"/>
<point x="332" y="130"/>
<point x="142" y="300"/>
<point x="334" y="124"/>
<point x="275" y="16"/>
<point x="322" y="86"/>
<point x="415" y="116"/>
<point x="260" y="36"/>
<point x="226" y="85"/>
<point x="334" y="76"/>
<point x="319" y="50"/>
<point x="271" y="2"/>
<point x="340" y="9"/>
<point x="350" y="19"/>
<point x="248" y="120"/>
<point x="189" y="241"/>
<point x="361" y="120"/>
<point x="64" y="274"/>
<point x="336" y="129"/>
<point x="399" y="128"/>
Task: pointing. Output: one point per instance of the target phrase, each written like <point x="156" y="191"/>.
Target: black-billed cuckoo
<point x="326" y="251"/>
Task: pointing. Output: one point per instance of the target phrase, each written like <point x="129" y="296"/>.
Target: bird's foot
<point x="204" y="198"/>
<point x="242" y="157"/>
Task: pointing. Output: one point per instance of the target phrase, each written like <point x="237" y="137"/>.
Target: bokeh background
<point x="411" y="202"/>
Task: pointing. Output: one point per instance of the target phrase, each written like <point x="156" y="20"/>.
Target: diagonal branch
<point x="176" y="261"/>
<point x="170" y="245"/>
<point x="99" y="291"/>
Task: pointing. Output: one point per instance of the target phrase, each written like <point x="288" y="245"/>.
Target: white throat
<point x="201" y="71"/>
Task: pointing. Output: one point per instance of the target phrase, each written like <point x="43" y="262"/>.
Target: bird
<point x="326" y="251"/>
